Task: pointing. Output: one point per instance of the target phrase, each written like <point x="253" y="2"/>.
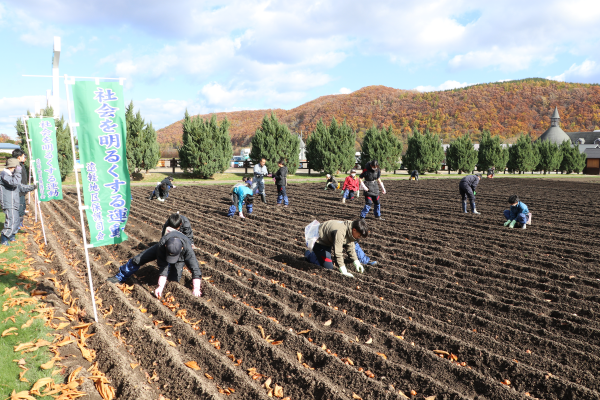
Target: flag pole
<point x="81" y="206"/>
<point x="36" y="198"/>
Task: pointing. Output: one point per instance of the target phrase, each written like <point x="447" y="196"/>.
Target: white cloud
<point x="587" y="72"/>
<point x="345" y="90"/>
<point x="444" y="86"/>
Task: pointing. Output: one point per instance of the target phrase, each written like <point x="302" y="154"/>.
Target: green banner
<point x="42" y="133"/>
<point x="100" y="113"/>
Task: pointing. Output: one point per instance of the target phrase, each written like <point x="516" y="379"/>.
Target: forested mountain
<point x="505" y="108"/>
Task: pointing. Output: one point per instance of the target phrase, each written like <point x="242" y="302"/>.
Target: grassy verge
<point x="19" y="323"/>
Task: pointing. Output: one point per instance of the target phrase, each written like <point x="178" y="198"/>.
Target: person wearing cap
<point x="370" y="183"/>
<point x="337" y="237"/>
<point x="467" y="187"/>
<point x="331" y="182"/>
<point x="414" y="175"/>
<point x="350" y="187"/>
<point x="260" y="171"/>
<point x="10" y="193"/>
<point x="280" y="178"/>
<point x="172" y="252"/>
<point x="240" y="194"/>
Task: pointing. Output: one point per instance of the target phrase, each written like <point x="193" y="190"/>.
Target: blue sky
<point x="210" y="56"/>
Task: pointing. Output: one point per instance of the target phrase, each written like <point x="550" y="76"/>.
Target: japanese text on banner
<point x="42" y="132"/>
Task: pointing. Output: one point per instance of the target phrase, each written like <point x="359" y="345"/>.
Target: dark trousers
<point x="467" y="193"/>
<point x="173" y="272"/>
<point x="369" y="202"/>
<point x="282" y="195"/>
<point x="22" y="206"/>
<point x="323" y="254"/>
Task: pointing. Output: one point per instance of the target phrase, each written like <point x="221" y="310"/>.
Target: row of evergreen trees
<point x="523" y="156"/>
<point x="142" y="146"/>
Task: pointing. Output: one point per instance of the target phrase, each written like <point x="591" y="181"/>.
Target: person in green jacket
<point x="337" y="237"/>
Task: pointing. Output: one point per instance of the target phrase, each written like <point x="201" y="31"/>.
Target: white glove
<point x="162" y="281"/>
<point x="382" y="187"/>
<point x="169" y="229"/>
<point x="197" y="292"/>
<point x="242" y="215"/>
<point x="345" y="272"/>
<point x="363" y="187"/>
<point x="174" y="187"/>
<point x="359" y="267"/>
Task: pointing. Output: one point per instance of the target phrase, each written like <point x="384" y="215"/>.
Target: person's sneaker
<point x="113" y="279"/>
<point x="372" y="263"/>
<point x="524" y="226"/>
<point x="476" y="212"/>
<point x="285" y="205"/>
<point x="343" y="201"/>
<point x="12" y="238"/>
<point x="380" y="218"/>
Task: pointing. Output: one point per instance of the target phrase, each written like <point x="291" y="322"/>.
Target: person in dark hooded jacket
<point x="370" y="183"/>
<point x="467" y="187"/>
<point x="280" y="178"/>
<point x="179" y="222"/>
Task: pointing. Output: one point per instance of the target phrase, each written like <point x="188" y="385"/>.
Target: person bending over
<point x="466" y="187"/>
<point x="337" y="237"/>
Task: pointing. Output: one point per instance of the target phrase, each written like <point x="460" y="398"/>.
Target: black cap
<point x="173" y="248"/>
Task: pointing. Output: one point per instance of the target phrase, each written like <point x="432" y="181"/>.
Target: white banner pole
<point x="36" y="198"/>
<point x="81" y="206"/>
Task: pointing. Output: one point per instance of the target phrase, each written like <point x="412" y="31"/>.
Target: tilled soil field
<point x="458" y="307"/>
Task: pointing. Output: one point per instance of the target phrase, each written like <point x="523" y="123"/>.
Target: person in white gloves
<point x="172" y="252"/>
<point x="335" y="237"/>
<point x="370" y="182"/>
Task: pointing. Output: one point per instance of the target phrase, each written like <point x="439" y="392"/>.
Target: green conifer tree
<point x="383" y="146"/>
<point x="206" y="148"/>
<point x="523" y="155"/>
<point x="491" y="153"/>
<point x="573" y="160"/>
<point x="331" y="149"/>
<point x="461" y="156"/>
<point x="151" y="153"/>
<point x="424" y="153"/>
<point x="135" y="139"/>
<point x="550" y="156"/>
<point x="274" y="141"/>
<point x="64" y="148"/>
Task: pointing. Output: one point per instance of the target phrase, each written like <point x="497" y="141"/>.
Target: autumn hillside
<point x="506" y="108"/>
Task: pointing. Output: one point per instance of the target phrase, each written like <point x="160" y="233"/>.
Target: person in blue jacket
<point x="467" y="187"/>
<point x="239" y="194"/>
<point x="362" y="257"/>
<point x="517" y="214"/>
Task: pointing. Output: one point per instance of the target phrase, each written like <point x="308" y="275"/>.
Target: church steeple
<point x="555" y="119"/>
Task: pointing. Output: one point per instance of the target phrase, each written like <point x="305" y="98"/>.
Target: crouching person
<point x="335" y="237"/>
<point x="351" y="186"/>
<point x="10" y="199"/>
<point x="181" y="223"/>
<point x="172" y="252"/>
<point x="518" y="214"/>
<point x="239" y="194"/>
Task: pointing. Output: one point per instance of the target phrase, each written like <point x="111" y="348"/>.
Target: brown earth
<point x="457" y="308"/>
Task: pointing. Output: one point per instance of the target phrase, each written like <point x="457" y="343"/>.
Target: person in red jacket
<point x="351" y="186"/>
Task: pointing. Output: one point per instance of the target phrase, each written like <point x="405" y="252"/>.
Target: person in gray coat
<point x="260" y="171"/>
<point x="466" y="187"/>
<point x="10" y="193"/>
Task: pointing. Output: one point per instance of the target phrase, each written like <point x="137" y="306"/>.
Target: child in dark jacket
<point x="280" y="178"/>
<point x="517" y="214"/>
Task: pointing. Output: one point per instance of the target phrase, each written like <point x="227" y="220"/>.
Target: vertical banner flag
<point x="42" y="133"/>
<point x="100" y="113"/>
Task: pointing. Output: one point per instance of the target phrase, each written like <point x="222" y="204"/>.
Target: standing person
<point x="467" y="187"/>
<point x="414" y="175"/>
<point x="335" y="237"/>
<point x="260" y="171"/>
<point x="372" y="181"/>
<point x="172" y="252"/>
<point x="351" y="186"/>
<point x="239" y="194"/>
<point x="10" y="194"/>
<point x="518" y="214"/>
<point x="20" y="155"/>
<point x="331" y="182"/>
<point x="281" y="182"/>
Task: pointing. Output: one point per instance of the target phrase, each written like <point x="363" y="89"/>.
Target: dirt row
<point x="458" y="306"/>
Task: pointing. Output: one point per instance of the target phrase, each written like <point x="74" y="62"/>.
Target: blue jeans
<point x="362" y="257"/>
<point x="369" y="202"/>
<point x="348" y="194"/>
<point x="282" y="195"/>
<point x="259" y="185"/>
<point x="321" y="255"/>
<point x="521" y="218"/>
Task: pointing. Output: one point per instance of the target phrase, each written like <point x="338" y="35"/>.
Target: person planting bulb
<point x="337" y="237"/>
<point x="172" y="252"/>
<point x="466" y="187"/>
<point x="518" y="214"/>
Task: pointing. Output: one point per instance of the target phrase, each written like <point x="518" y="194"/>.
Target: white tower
<point x="54" y="99"/>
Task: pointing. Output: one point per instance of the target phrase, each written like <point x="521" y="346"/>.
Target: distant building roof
<point x="555" y="135"/>
<point x="555" y="115"/>
<point x="593" y="153"/>
<point x="588" y="137"/>
<point x="9" y="146"/>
